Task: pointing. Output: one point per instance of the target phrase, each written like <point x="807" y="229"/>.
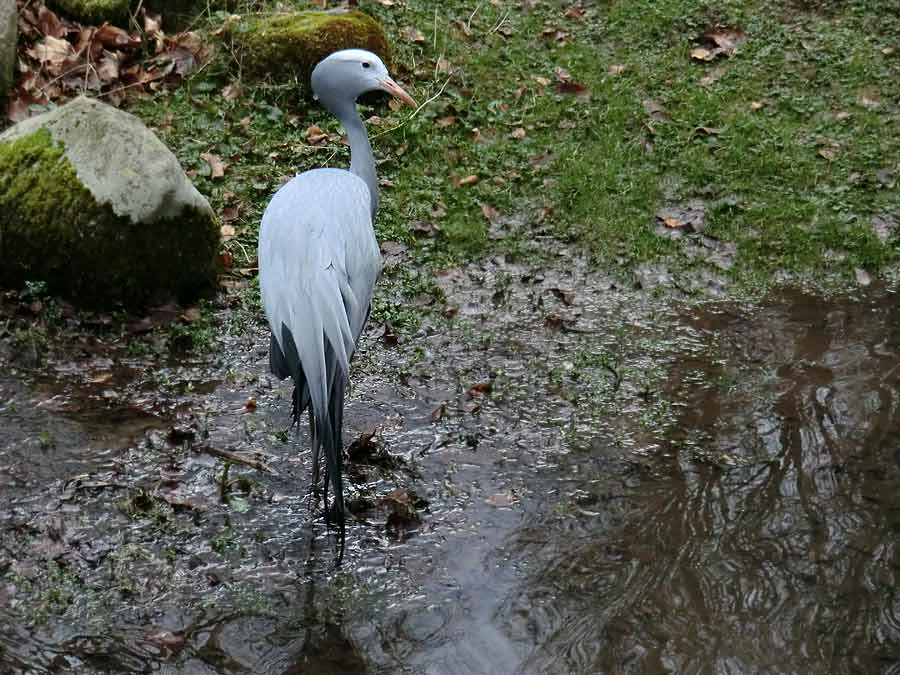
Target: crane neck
<point x="362" y="161"/>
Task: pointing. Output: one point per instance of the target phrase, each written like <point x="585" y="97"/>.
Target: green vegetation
<point x="95" y="11"/>
<point x="291" y="44"/>
<point x="54" y="229"/>
<point x="582" y="123"/>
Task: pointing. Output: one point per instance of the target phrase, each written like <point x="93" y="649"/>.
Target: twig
<point x="472" y="16"/>
<point x="434" y="29"/>
<point x="62" y="75"/>
<point x="499" y="23"/>
<point x="244" y="250"/>
<point x="416" y="111"/>
<point x="133" y="17"/>
<point x="129" y="86"/>
<point x="235" y="457"/>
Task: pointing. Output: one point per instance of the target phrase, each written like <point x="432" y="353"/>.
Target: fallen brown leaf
<point x="216" y="165"/>
<point x="412" y="34"/>
<point x="232" y="92"/>
<point x="315" y="135"/>
<point x="490" y="212"/>
<point x="480" y="389"/>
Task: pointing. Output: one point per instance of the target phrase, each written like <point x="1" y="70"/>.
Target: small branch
<point x="472" y="16"/>
<point x="417" y="110"/>
<point x="236" y="458"/>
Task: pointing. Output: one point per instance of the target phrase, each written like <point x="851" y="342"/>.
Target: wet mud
<point x="555" y="474"/>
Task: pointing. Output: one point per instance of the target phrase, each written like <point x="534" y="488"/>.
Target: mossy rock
<point x="95" y="11"/>
<point x="176" y="14"/>
<point x="94" y="204"/>
<point x="291" y="44"/>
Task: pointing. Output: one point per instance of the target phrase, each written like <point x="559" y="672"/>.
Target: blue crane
<point x="318" y="264"/>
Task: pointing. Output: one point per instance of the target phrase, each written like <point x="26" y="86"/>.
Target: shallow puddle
<point x="613" y="485"/>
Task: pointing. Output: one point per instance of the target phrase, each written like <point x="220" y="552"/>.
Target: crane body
<point x="318" y="264"/>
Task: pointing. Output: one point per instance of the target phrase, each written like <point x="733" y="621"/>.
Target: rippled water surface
<point x="604" y="484"/>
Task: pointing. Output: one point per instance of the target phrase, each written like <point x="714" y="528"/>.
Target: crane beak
<point x="395" y="90"/>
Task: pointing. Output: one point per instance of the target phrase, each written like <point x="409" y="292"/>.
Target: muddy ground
<point x="557" y="473"/>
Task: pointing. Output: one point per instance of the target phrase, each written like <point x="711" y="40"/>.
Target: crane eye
<point x="366" y="64"/>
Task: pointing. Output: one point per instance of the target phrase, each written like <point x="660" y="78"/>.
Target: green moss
<point x="292" y="44"/>
<point x="176" y="14"/>
<point x="53" y="230"/>
<point x="95" y="11"/>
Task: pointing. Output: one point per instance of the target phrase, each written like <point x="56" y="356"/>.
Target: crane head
<point x="349" y="73"/>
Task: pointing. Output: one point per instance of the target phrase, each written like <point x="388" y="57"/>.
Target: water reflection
<point x="766" y="540"/>
<point x="735" y="511"/>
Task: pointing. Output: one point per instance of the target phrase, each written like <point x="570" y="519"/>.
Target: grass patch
<point x="804" y="148"/>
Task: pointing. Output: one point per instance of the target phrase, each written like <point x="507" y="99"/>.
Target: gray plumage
<point x="318" y="264"/>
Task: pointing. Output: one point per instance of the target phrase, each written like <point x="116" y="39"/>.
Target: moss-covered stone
<point x="292" y="44"/>
<point x="176" y="14"/>
<point x="95" y="11"/>
<point x="53" y="229"/>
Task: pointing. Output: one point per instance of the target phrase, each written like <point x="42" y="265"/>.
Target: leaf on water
<point x="502" y="500"/>
<point x="389" y="336"/>
<point x="364" y="446"/>
<point x="480" y="389"/>
<point x="567" y="296"/>
<point x="250" y="405"/>
<point x="216" y="165"/>
<point x="438" y="413"/>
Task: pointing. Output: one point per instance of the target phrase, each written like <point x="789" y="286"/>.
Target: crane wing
<point x="318" y="264"/>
